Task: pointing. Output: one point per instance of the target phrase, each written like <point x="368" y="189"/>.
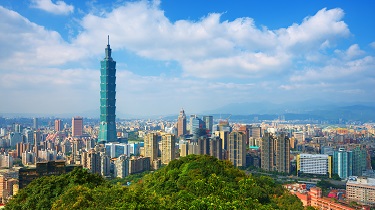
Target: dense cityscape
<point x="37" y="147"/>
<point x="290" y="159"/>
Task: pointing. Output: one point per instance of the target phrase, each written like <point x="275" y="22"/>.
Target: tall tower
<point x="107" y="131"/>
<point x="181" y="123"/>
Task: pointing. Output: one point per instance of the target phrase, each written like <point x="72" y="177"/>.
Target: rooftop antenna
<point x="108" y="39"/>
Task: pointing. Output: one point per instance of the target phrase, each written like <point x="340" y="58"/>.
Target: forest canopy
<point x="191" y="182"/>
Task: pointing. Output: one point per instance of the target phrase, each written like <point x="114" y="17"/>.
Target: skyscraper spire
<point x="107" y="132"/>
<point x="108" y="51"/>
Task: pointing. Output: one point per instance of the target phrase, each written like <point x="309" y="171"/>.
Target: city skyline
<point x="189" y="54"/>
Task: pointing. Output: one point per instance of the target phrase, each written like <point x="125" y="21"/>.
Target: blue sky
<point x="199" y="55"/>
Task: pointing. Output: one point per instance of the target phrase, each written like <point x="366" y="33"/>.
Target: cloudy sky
<point x="195" y="54"/>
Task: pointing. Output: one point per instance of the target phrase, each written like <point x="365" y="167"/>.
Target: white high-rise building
<point x="121" y="169"/>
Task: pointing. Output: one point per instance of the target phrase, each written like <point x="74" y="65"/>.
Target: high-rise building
<point x="121" y="166"/>
<point x="107" y="132"/>
<point x="181" y="123"/>
<point x="275" y="152"/>
<point x="35" y="123"/>
<point x="195" y="124"/>
<point x="349" y="162"/>
<point x="216" y="147"/>
<point x="168" y="152"/>
<point x="224" y="137"/>
<point x="267" y="152"/>
<point x="237" y="148"/>
<point x="77" y="126"/>
<point x="283" y="153"/>
<point x="151" y="146"/>
<point x="255" y="132"/>
<point x="209" y="122"/>
<point x="58" y="125"/>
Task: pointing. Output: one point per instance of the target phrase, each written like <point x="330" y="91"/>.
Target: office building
<point x="168" y="145"/>
<point x="107" y="131"/>
<point x="349" y="162"/>
<point x="181" y="123"/>
<point x="35" y="123"/>
<point x="196" y="124"/>
<point x="209" y="122"/>
<point x="314" y="164"/>
<point x="237" y="148"/>
<point x="58" y="125"/>
<point x="77" y="126"/>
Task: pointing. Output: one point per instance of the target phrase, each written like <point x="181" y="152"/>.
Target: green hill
<point x="192" y="182"/>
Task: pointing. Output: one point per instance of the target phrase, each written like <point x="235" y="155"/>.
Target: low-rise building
<point x="361" y="190"/>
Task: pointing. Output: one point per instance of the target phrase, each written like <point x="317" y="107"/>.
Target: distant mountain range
<point x="300" y="111"/>
<point x="321" y="111"/>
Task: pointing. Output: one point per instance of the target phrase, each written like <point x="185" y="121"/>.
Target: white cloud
<point x="58" y="8"/>
<point x="222" y="61"/>
<point x="212" y="47"/>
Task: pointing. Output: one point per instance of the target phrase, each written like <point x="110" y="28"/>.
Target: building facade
<point x="275" y="152"/>
<point x="181" y="123"/>
<point x="361" y="190"/>
<point x="314" y="164"/>
<point x="77" y="126"/>
<point x="168" y="152"/>
<point x="237" y="148"/>
<point x="107" y="131"/>
<point x="151" y="146"/>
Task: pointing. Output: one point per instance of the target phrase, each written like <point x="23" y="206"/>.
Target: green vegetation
<point x="133" y="136"/>
<point x="192" y="182"/>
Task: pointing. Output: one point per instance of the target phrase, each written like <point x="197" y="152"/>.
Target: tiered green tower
<point x="107" y="132"/>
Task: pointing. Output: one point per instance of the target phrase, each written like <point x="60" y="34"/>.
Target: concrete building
<point x="58" y="125"/>
<point x="77" y="126"/>
<point x="168" y="151"/>
<point x="121" y="166"/>
<point x="237" y="148"/>
<point x="314" y="164"/>
<point x="216" y="147"/>
<point x="181" y="123"/>
<point x="139" y="164"/>
<point x="275" y="152"/>
<point x="151" y="146"/>
<point x="361" y="190"/>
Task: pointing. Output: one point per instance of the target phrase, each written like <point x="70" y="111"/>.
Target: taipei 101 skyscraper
<point x="107" y="132"/>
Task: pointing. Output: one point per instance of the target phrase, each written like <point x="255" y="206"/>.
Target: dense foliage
<point x="192" y="182"/>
